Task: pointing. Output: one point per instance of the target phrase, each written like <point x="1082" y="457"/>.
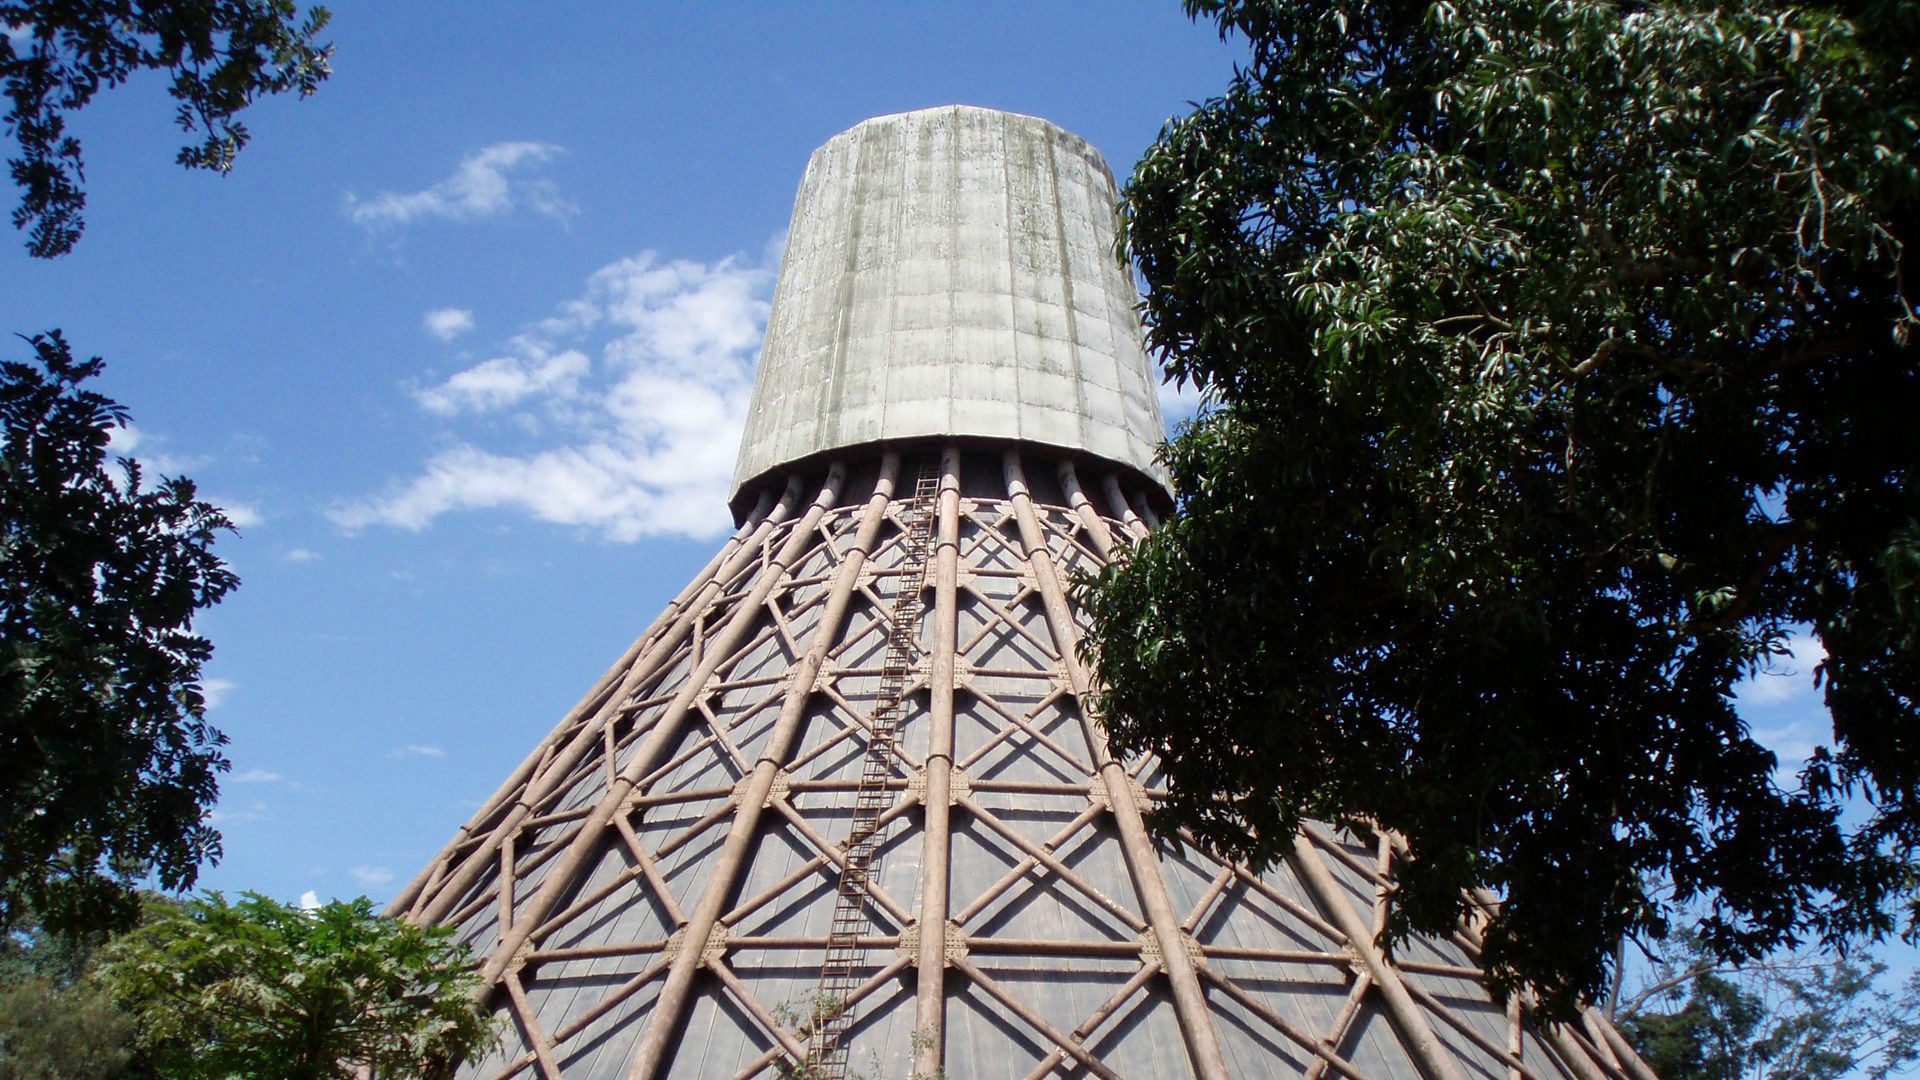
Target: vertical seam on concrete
<point x="843" y="297"/>
<point x="1013" y="288"/>
<point x="952" y="351"/>
<point x="1066" y="288"/>
<point x="843" y="287"/>
<point x="905" y="158"/>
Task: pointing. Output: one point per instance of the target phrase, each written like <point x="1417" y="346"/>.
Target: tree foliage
<point x="217" y="54"/>
<point x="259" y="988"/>
<point x="54" y="1032"/>
<point x="1795" y="1016"/>
<point x="56" y="1021"/>
<point x="107" y="762"/>
<point x="1563" y="359"/>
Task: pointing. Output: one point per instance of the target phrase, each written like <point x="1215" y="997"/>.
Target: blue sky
<point x="464" y="341"/>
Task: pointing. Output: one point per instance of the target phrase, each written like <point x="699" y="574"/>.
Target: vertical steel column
<point x="1122" y="508"/>
<point x="1189" y="1001"/>
<point x="1145" y="510"/>
<point x="1090" y="520"/>
<point x="930" y="997"/>
<point x="587" y="838"/>
<point x="669" y="1008"/>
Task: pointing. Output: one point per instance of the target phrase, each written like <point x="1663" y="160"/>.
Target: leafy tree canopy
<point x="259" y="988"/>
<point x="54" y="1032"/>
<point x="107" y="762"/>
<point x="218" y="54"/>
<point x="1794" y="1016"/>
<point x="56" y="1022"/>
<point x="1563" y="354"/>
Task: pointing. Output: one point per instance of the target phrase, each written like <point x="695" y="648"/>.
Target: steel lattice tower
<point x="840" y="809"/>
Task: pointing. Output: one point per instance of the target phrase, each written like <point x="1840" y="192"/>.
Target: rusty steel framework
<point x="654" y="890"/>
<point x="843" y="807"/>
<point x="846" y="952"/>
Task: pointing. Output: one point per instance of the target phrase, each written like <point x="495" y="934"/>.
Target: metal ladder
<point x="839" y="974"/>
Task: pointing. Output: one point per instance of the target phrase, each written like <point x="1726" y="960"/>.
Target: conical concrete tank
<point x="679" y="881"/>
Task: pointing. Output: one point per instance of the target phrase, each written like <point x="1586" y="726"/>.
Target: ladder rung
<point x="827" y="1056"/>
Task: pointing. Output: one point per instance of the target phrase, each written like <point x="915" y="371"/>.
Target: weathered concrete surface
<point x="951" y="273"/>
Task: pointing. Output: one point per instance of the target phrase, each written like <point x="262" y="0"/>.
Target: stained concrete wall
<point x="951" y="273"/>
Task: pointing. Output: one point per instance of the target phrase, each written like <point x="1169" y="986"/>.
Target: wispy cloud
<point x="243" y="515"/>
<point x="224" y="815"/>
<point x="1784" y="708"/>
<point x="626" y="407"/>
<point x="1787" y="677"/>
<point x="412" y="750"/>
<point x="480" y="188"/>
<point x="301" y="555"/>
<point x="216" y="691"/>
<point x="507" y="380"/>
<point x="126" y="442"/>
<point x="254" y="776"/>
<point x="447" y="323"/>
<point x="371" y="876"/>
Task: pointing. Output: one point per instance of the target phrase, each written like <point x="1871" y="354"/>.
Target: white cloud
<point x="301" y="555"/>
<point x="1177" y="403"/>
<point x="370" y="876"/>
<point x="254" y="776"/>
<point x="636" y="441"/>
<point x="243" y="515"/>
<point x="309" y="901"/>
<point x="504" y="380"/>
<point x="480" y="188"/>
<point x="162" y="464"/>
<point x="1784" y="709"/>
<point x="1788" y="677"/>
<point x="255" y="811"/>
<point x="419" y="751"/>
<point x="126" y="441"/>
<point x="448" y="323"/>
<point x="216" y="691"/>
<point x="1792" y="744"/>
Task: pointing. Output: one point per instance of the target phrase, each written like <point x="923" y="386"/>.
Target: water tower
<point x="840" y="810"/>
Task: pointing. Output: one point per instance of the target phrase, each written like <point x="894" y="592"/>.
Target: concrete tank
<point x="951" y="273"/>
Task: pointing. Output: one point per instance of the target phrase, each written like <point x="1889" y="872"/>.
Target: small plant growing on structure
<point x="811" y="1011"/>
<point x="804" y="1019"/>
<point x="823" y="1008"/>
<point x="919" y="1041"/>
